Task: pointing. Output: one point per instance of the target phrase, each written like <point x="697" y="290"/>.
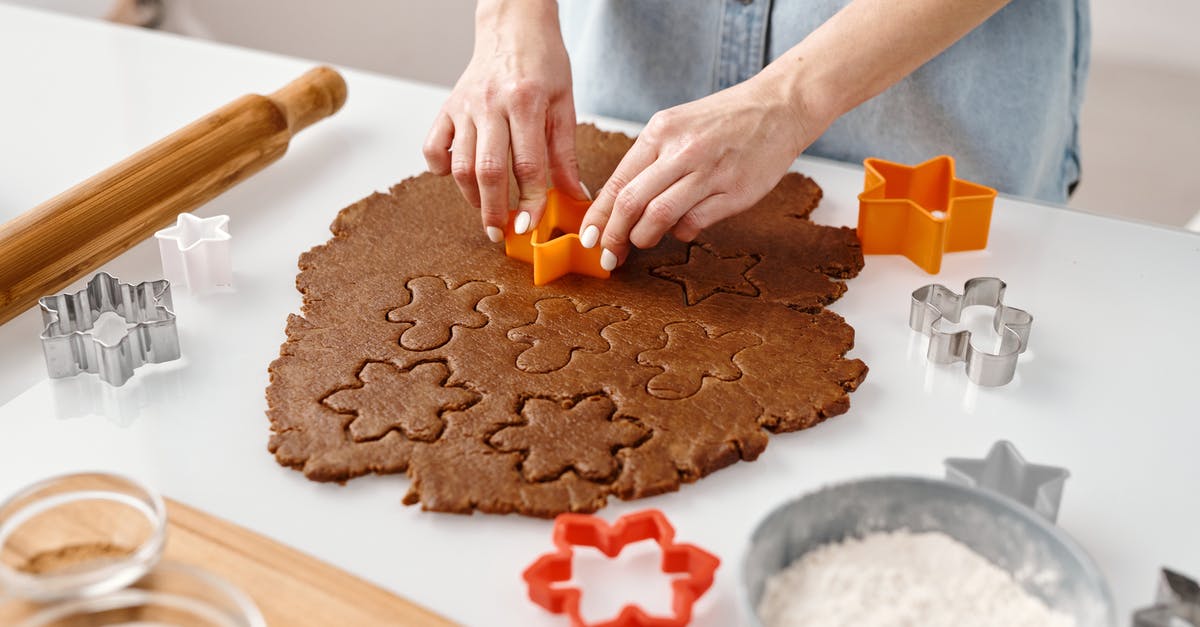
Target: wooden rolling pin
<point x="61" y="240"/>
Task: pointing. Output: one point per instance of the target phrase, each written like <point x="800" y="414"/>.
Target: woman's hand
<point x="704" y="161"/>
<point x="696" y="164"/>
<point x="514" y="99"/>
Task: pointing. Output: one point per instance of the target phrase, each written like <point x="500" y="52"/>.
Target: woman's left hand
<point x="694" y="165"/>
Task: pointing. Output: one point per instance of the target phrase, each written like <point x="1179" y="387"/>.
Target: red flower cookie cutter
<point x="572" y="530"/>
<point x="922" y="211"/>
<point x="554" y="256"/>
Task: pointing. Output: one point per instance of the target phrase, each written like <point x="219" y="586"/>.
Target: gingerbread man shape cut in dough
<point x="690" y="355"/>
<point x="436" y="308"/>
<point x="561" y="328"/>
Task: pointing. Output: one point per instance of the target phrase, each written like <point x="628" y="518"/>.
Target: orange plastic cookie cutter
<point x="572" y="530"/>
<point x="553" y="246"/>
<point x="922" y="211"/>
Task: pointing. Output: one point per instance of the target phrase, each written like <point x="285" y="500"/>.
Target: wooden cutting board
<point x="289" y="587"/>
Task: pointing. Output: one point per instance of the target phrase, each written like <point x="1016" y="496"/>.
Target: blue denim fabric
<point x="1003" y="101"/>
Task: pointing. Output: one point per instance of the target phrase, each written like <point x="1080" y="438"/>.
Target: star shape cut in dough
<point x="706" y="273"/>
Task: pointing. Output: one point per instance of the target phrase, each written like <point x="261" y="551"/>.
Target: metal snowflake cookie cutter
<point x="69" y="342"/>
<point x="1177" y="603"/>
<point x="196" y="253"/>
<point x="1006" y="472"/>
<point x="933" y="302"/>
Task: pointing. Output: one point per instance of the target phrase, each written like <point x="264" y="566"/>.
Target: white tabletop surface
<point x="1108" y="388"/>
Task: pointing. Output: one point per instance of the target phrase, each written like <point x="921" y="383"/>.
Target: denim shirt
<point x="1003" y="101"/>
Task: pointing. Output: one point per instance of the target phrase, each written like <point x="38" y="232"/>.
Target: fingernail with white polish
<point x="589" y="236"/>
<point x="586" y="192"/>
<point x="522" y="222"/>
<point x="608" y="260"/>
<point x="495" y="234"/>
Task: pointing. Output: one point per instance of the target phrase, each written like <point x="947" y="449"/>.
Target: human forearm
<point x="862" y="50"/>
<point x="512" y="107"/>
<point x="496" y="18"/>
<point x="703" y="161"/>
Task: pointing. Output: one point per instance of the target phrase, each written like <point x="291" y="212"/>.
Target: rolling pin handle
<point x="316" y="95"/>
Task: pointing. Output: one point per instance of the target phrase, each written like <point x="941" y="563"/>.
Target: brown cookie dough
<point x="423" y="349"/>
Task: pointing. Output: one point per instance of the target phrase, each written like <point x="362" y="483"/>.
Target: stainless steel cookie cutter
<point x="933" y="302"/>
<point x="1177" y="603"/>
<point x="1005" y="471"/>
<point x="71" y="347"/>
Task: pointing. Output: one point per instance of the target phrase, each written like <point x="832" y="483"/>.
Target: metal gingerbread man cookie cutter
<point x="71" y="347"/>
<point x="932" y="303"/>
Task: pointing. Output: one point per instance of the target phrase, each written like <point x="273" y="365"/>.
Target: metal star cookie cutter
<point x="1176" y="605"/>
<point x="1006" y="472"/>
<point x="555" y="255"/>
<point x="570" y="530"/>
<point x="933" y="302"/>
<point x="922" y="211"/>
<point x="71" y="347"/>
<point x="196" y="253"/>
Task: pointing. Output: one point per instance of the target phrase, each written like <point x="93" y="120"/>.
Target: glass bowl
<point x="79" y="535"/>
<point x="171" y="594"/>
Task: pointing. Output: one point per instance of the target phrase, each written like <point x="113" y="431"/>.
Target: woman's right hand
<point x="514" y="99"/>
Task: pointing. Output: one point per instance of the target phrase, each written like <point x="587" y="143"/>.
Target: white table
<point x="1108" y="388"/>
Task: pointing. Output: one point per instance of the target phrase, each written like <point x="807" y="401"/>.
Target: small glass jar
<point x="79" y="535"/>
<point x="172" y="594"/>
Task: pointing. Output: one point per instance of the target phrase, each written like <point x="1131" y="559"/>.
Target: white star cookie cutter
<point x="1006" y="472"/>
<point x="72" y="344"/>
<point x="196" y="253"/>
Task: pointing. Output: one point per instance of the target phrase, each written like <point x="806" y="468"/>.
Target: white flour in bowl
<point x="900" y="579"/>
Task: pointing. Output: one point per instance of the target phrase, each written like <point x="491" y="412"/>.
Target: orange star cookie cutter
<point x="553" y="246"/>
<point x="922" y="211"/>
<point x="571" y="530"/>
